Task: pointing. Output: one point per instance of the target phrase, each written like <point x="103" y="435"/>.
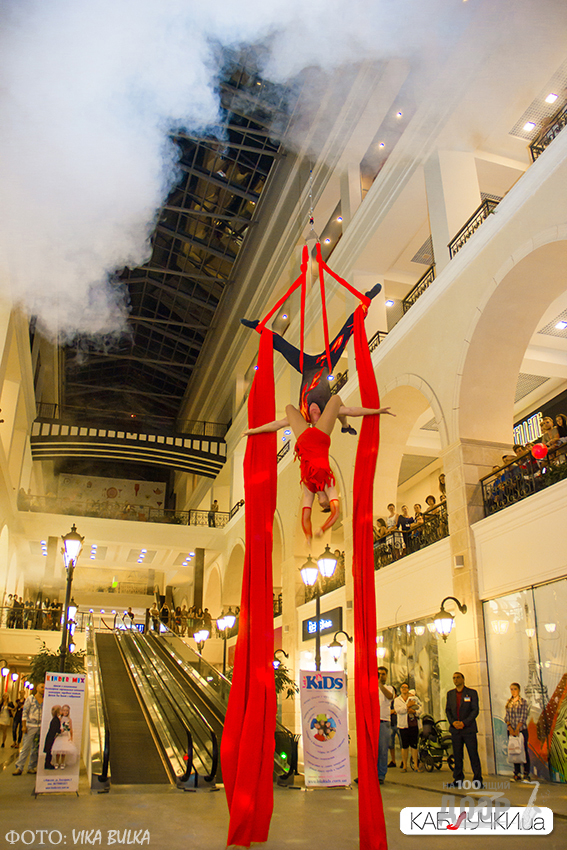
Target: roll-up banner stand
<point x="61" y="733"/>
<point x="324" y="720"/>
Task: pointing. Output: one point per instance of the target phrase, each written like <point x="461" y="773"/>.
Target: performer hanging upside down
<point x="315" y="387"/>
<point x="312" y="448"/>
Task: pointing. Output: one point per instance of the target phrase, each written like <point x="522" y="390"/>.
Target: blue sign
<point x="330" y="621"/>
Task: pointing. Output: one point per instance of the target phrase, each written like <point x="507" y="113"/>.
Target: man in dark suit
<point x="462" y="711"/>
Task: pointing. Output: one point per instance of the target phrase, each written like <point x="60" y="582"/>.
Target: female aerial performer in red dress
<point x="312" y="449"/>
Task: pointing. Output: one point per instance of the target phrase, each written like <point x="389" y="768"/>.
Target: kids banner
<point x="324" y="723"/>
<point x="61" y="731"/>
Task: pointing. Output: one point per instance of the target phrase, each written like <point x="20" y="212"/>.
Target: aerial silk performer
<point x="248" y="739"/>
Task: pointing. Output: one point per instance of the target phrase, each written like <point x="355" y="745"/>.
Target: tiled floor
<point x="314" y="819"/>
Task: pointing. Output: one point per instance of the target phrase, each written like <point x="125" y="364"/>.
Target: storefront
<point x="526" y="643"/>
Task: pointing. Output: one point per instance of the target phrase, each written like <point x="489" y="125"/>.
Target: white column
<point x="453" y="194"/>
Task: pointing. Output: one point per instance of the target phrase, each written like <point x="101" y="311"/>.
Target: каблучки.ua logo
<point x="496" y="817"/>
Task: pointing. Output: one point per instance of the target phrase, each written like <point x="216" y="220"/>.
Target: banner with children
<point x="324" y="723"/>
<point x="61" y="732"/>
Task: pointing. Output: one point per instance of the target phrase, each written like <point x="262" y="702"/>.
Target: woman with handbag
<point x="516" y="722"/>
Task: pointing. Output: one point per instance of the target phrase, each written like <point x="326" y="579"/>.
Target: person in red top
<point x="312" y="448"/>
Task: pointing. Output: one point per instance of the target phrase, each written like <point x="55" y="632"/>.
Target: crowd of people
<point x="184" y="621"/>
<point x="17" y="614"/>
<point x="400" y="718"/>
<point x="399" y="534"/>
<point x="526" y="469"/>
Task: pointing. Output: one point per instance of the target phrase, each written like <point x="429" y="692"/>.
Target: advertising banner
<point x="324" y="723"/>
<point x="61" y="732"/>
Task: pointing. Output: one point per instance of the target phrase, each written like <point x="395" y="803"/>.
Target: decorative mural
<point x="121" y="494"/>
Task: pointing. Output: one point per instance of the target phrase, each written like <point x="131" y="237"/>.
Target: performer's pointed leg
<point x="331" y="519"/>
<point x="306" y="523"/>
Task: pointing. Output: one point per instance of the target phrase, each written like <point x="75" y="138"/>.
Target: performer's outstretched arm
<point x="364" y="411"/>
<point x="267" y="428"/>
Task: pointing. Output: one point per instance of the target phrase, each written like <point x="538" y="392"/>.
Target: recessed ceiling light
<point x="399" y="114"/>
<point x="143" y="551"/>
<point x="551" y="97"/>
<point x="529" y="126"/>
<point x="389" y="303"/>
<point x="327" y="240"/>
<point x="561" y="326"/>
<point x="339" y="218"/>
<point x="192" y="554"/>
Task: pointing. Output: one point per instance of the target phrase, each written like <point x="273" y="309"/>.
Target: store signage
<point x="330" y="621"/>
<point x="528" y="429"/>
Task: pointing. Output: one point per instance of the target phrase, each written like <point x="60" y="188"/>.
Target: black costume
<point x="315" y="388"/>
<point x="52" y="733"/>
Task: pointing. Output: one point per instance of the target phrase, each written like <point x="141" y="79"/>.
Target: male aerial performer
<point x="315" y="388"/>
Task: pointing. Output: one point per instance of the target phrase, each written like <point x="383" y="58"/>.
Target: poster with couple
<point x="61" y="732"/>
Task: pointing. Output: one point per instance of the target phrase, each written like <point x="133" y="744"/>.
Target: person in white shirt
<point x="408" y="708"/>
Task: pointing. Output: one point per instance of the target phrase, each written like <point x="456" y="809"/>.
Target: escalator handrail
<point x="106" y="746"/>
<point x="292" y="737"/>
<point x="214" y="742"/>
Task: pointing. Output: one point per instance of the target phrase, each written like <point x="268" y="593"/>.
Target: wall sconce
<point x="336" y="647"/>
<point x="276" y="662"/>
<point x="444" y="620"/>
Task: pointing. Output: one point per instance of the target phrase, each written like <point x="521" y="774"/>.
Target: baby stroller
<point x="434" y="744"/>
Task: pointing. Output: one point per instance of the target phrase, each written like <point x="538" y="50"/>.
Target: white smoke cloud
<point x="90" y="91"/>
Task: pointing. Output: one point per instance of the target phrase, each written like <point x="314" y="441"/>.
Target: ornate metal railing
<point x="519" y="479"/>
<point x="126" y="511"/>
<point x="558" y="123"/>
<point x="423" y="283"/>
<point x="397" y="544"/>
<point x="375" y="340"/>
<point x="373" y="343"/>
<point x="283" y="451"/>
<point x="471" y="226"/>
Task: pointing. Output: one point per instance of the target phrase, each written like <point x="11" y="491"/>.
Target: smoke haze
<point x="90" y="92"/>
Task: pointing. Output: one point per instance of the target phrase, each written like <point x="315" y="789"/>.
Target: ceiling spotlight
<point x="389" y="303"/>
<point x="399" y="114"/>
<point x="529" y="126"/>
<point x="381" y="145"/>
<point x="551" y="97"/>
<point x="339" y="218"/>
<point x="327" y="240"/>
<point x="561" y="326"/>
<point x="285" y="316"/>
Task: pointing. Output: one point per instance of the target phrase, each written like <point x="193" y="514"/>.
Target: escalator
<point x="131" y="734"/>
<point x="209" y="690"/>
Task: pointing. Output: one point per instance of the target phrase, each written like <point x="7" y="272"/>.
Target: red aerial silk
<point x="248" y="741"/>
<point x="371" y="823"/>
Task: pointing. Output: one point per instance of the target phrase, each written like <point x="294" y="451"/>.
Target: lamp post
<point x="444" y="620"/>
<point x="310" y="572"/>
<point x="224" y="624"/>
<point x="72" y="546"/>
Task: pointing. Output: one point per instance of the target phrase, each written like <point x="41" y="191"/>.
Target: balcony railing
<point x="96" y="418"/>
<point x="421" y="286"/>
<point x="126" y="511"/>
<point x="283" y="451"/>
<point x="521" y="478"/>
<point x="545" y="138"/>
<point x="469" y="229"/>
<point x="373" y="343"/>
<point x="396" y="545"/>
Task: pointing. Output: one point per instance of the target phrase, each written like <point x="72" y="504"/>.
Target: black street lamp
<point x="224" y="625"/>
<point x="72" y="546"/>
<point x="310" y="573"/>
<point x="336" y="647"/>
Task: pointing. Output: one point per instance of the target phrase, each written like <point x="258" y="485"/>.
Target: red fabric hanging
<point x="372" y="827"/>
<point x="248" y="740"/>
